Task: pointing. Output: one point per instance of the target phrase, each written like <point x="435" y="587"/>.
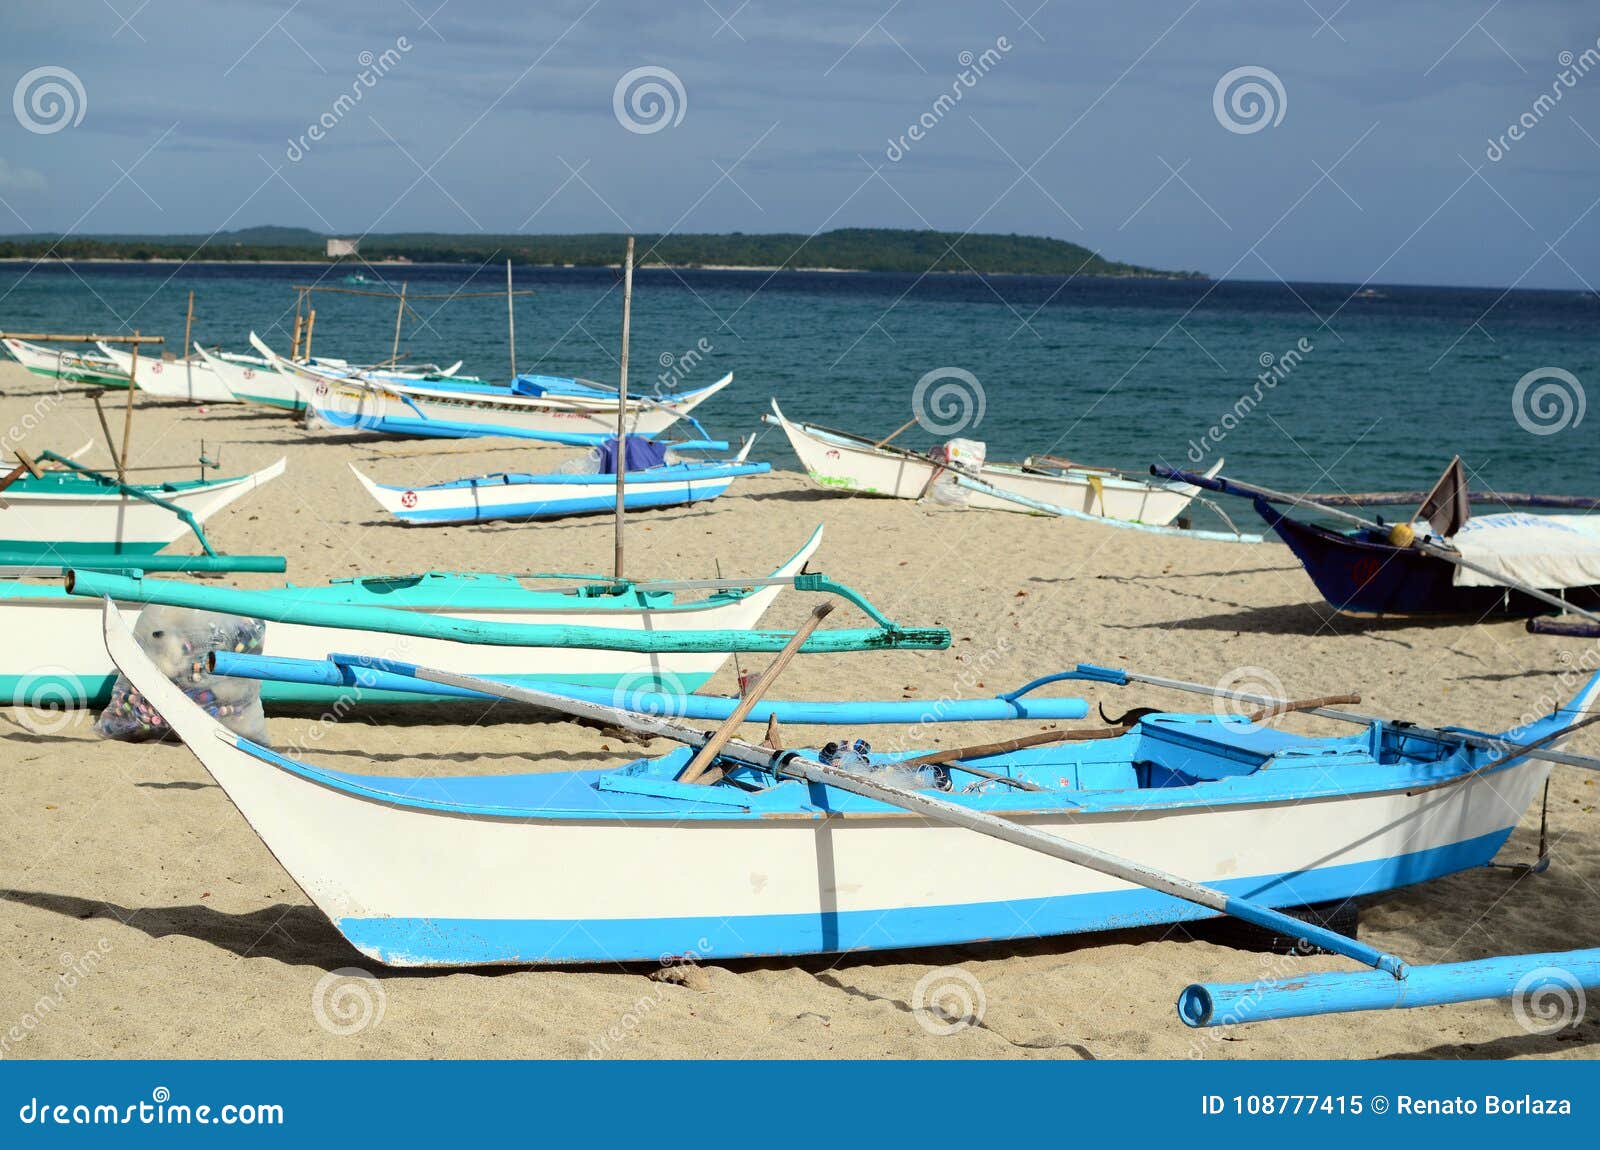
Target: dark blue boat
<point x="1361" y="573"/>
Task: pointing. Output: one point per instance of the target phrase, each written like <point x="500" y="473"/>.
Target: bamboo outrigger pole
<point x="127" y="414"/>
<point x="188" y="359"/>
<point x="399" y="315"/>
<point x="622" y="404"/>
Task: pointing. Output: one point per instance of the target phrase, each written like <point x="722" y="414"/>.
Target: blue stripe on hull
<point x="571" y="505"/>
<point x="469" y="942"/>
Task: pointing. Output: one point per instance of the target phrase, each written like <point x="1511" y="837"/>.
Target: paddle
<point x="789" y="764"/>
<point x="1234" y="487"/>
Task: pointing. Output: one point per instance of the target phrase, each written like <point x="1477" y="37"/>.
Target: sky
<point x="1301" y="139"/>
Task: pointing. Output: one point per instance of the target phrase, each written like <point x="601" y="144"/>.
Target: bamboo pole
<point x="188" y="359"/>
<point x="52" y="337"/>
<point x="127" y="415"/>
<point x="311" y="324"/>
<point x="622" y="405"/>
<point x="294" y="350"/>
<point x="398" y="316"/>
<point x="111" y="443"/>
<point x="511" y="322"/>
<point x="719" y="738"/>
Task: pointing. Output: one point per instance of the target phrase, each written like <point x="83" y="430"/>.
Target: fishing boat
<point x="1443" y="559"/>
<point x="251" y="380"/>
<point x="81" y="510"/>
<point x="841" y="461"/>
<point x="70" y="366"/>
<point x="1170" y="818"/>
<point x="582" y="629"/>
<point x="534" y="406"/>
<point x="651" y="482"/>
<point x="191" y="380"/>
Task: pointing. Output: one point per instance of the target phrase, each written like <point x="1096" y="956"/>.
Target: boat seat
<point x="1203" y="747"/>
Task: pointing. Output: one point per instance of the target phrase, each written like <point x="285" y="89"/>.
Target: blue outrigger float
<point x="1163" y="817"/>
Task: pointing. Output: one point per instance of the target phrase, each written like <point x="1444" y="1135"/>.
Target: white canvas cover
<point x="1544" y="551"/>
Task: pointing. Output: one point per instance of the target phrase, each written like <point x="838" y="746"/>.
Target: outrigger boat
<point x="841" y="461"/>
<point x="70" y="366"/>
<point x="192" y="380"/>
<point x="537" y="407"/>
<point x="553" y="495"/>
<point x="1444" y="559"/>
<point x="80" y="510"/>
<point x="253" y="378"/>
<point x="1165" y="818"/>
<point x="580" y="629"/>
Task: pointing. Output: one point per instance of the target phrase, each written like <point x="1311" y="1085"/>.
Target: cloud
<point x="19" y="179"/>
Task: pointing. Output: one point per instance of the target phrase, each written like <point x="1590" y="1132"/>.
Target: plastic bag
<point x="959" y="456"/>
<point x="178" y="641"/>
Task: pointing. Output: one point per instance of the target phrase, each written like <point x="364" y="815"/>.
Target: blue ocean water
<point x="1365" y="391"/>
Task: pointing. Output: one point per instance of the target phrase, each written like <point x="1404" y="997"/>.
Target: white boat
<point x="72" y="366"/>
<point x="80" y="511"/>
<point x="44" y="624"/>
<point x="840" y="461"/>
<point x="631" y="863"/>
<point x="192" y="380"/>
<point x="250" y="380"/>
<point x="545" y="406"/>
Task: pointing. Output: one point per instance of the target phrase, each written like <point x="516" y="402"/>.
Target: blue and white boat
<point x="650" y="482"/>
<point x="633" y="862"/>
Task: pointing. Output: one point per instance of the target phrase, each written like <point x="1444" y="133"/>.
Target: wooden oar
<point x="893" y="434"/>
<point x="789" y="764"/>
<point x="708" y="753"/>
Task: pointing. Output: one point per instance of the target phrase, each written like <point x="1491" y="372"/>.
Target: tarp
<point x="1446" y="507"/>
<point x="1544" y="551"/>
<point x="643" y="454"/>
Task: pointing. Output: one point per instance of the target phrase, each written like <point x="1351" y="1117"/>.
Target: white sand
<point x="127" y="867"/>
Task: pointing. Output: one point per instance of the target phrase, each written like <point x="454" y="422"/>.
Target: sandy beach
<point x="140" y="917"/>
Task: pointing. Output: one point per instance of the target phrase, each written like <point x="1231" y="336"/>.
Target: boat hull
<point x="1365" y="577"/>
<point x="252" y="383"/>
<point x="502" y="497"/>
<point x="71" y="367"/>
<point x="843" y="464"/>
<point x="66" y="513"/>
<point x="60" y="652"/>
<point x="192" y="381"/>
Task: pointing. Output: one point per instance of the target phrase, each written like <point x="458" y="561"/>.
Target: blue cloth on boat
<point x="536" y="385"/>
<point x="643" y="454"/>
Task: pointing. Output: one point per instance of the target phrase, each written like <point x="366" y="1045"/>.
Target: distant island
<point x="847" y="249"/>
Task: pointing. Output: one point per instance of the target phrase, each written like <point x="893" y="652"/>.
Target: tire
<point x="1340" y="917"/>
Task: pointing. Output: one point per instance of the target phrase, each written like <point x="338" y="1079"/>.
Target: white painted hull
<point x="65" y="633"/>
<point x="841" y="464"/>
<point x="414" y="886"/>
<point x="62" y="364"/>
<point x="250" y="382"/>
<point x="76" y="521"/>
<point x="192" y="381"/>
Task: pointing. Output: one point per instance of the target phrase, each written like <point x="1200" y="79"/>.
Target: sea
<point x="1308" y="386"/>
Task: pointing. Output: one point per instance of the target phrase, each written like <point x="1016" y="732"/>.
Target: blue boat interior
<point x="1166" y="761"/>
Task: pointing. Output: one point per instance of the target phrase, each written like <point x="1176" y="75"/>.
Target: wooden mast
<point x="127" y="414"/>
<point x="188" y="361"/>
<point x="400" y="314"/>
<point x="511" y="322"/>
<point x="622" y="404"/>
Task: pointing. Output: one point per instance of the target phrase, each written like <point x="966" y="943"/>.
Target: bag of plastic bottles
<point x="178" y="641"/>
